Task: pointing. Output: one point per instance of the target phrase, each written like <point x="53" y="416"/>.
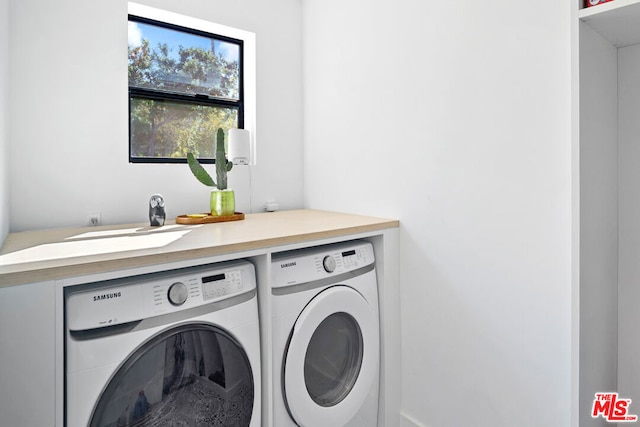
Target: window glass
<point x="188" y="376"/>
<point x="177" y="61"/>
<point x="191" y="129"/>
<point x="333" y="359"/>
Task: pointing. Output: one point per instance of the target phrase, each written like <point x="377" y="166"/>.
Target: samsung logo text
<point x="288" y="264"/>
<point x="107" y="296"/>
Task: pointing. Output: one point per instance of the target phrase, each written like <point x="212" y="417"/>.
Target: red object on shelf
<point x="589" y="3"/>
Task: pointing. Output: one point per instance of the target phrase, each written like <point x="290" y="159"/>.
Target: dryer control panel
<point x="136" y="298"/>
<point x="308" y="265"/>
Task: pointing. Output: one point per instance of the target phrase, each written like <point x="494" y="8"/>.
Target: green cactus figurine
<point x="222" y="166"/>
<point x="222" y="201"/>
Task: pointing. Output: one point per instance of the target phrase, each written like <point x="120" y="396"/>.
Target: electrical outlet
<point x="271" y="206"/>
<point x="94" y="219"/>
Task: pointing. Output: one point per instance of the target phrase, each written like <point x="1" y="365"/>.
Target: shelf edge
<point x="588" y="13"/>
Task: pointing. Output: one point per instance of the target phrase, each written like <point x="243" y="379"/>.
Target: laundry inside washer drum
<point x="190" y="375"/>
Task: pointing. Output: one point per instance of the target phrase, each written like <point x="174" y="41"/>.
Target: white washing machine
<point x="326" y="336"/>
<point x="174" y="348"/>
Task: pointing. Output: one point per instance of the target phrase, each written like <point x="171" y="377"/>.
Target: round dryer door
<point x="189" y="375"/>
<point x="332" y="358"/>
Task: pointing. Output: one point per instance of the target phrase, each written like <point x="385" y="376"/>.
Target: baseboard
<point x="407" y="421"/>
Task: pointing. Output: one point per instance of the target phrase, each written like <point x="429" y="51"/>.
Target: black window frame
<point x="191" y="99"/>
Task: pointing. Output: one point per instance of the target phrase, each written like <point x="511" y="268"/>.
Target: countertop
<point x="36" y="256"/>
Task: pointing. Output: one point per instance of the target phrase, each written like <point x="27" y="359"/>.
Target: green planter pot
<point x="222" y="202"/>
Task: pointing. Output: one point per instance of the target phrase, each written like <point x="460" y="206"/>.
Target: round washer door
<point x="192" y="374"/>
<point x="332" y="358"/>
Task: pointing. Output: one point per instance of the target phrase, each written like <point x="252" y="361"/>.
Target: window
<point x="184" y="84"/>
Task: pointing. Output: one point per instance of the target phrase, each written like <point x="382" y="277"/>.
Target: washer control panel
<point x="130" y="299"/>
<point x="221" y="285"/>
<point x="308" y="265"/>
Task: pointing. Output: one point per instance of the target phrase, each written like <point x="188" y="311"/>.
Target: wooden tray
<point x="207" y="218"/>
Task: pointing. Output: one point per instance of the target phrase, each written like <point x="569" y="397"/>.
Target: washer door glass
<point x="190" y="375"/>
<point x="333" y="359"/>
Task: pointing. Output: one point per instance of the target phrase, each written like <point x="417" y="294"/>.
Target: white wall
<point x="598" y="220"/>
<point x="629" y="226"/>
<point x="455" y="117"/>
<point x="69" y="119"/>
<point x="4" y="122"/>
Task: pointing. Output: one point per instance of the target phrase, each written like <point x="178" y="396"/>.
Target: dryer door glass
<point x="191" y="375"/>
<point x="333" y="359"/>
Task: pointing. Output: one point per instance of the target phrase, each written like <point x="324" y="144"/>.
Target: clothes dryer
<point x="326" y="345"/>
<point x="175" y="348"/>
